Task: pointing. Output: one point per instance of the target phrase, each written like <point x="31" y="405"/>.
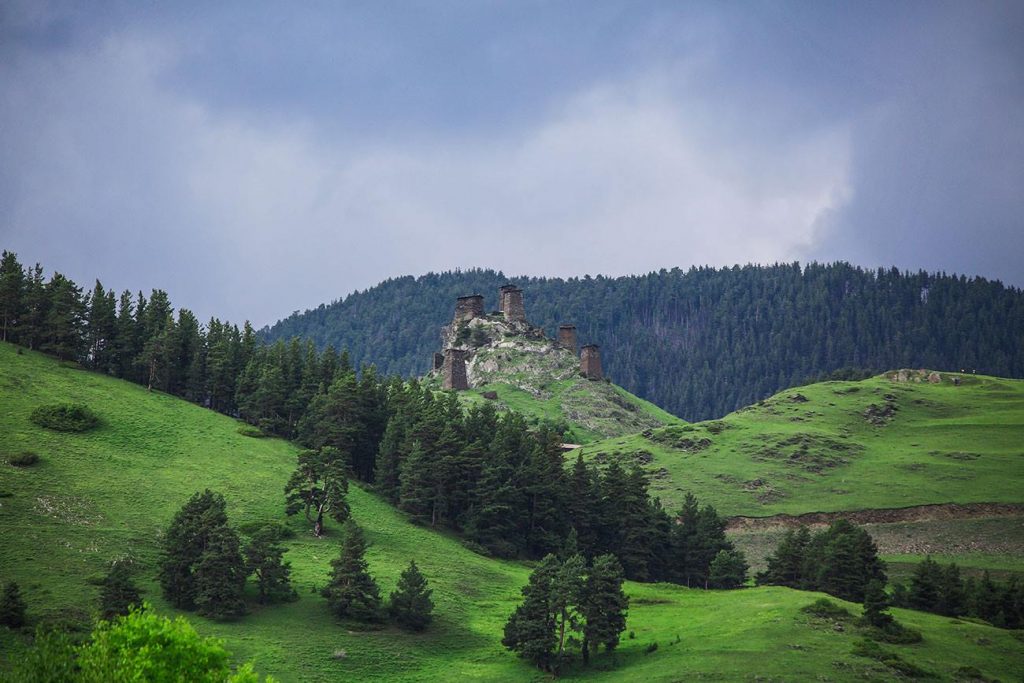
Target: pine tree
<point x="183" y="545"/>
<point x="318" y="486"/>
<point x="12" y="606"/>
<point x="410" y="604"/>
<point x="926" y="586"/>
<point x="118" y="592"/>
<point x="351" y="592"/>
<point x="220" y="576"/>
<point x="263" y="558"/>
<point x="952" y="599"/>
<point x="786" y="566"/>
<point x="567" y="596"/>
<point x="12" y="292"/>
<point x="728" y="570"/>
<point x="530" y="631"/>
<point x="604" y="605"/>
<point x="876" y="604"/>
<point x="64" y="333"/>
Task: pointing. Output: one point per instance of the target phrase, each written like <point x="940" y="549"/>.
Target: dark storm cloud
<point x="253" y="159"/>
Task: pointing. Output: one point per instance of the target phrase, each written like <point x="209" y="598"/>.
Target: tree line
<point x="941" y="589"/>
<point x="704" y="341"/>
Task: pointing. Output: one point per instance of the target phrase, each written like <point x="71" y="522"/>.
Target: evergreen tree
<point x="728" y="570"/>
<point x="263" y="558"/>
<point x="876" y="604"/>
<point x="410" y="604"/>
<point x="604" y="605"/>
<point x="118" y="592"/>
<point x="318" y="486"/>
<point x="567" y="597"/>
<point x="926" y="586"/>
<point x="12" y="606"/>
<point x="351" y="592"/>
<point x="186" y="539"/>
<point x="220" y="576"/>
<point x="787" y="565"/>
<point x="952" y="599"/>
<point x="12" y="292"/>
<point x="63" y="334"/>
<point x="530" y="631"/>
<point x="32" y="323"/>
<point x="683" y="543"/>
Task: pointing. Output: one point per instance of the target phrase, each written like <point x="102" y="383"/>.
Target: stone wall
<point x="469" y="307"/>
<point x="511" y="298"/>
<point x="567" y="337"/>
<point x="454" y="370"/>
<point x="590" y="362"/>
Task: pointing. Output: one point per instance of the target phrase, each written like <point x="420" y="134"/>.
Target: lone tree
<point x="263" y="557"/>
<point x="119" y="592"/>
<point x="184" y="543"/>
<point x="318" y="487"/>
<point x="530" y="631"/>
<point x="12" y="606"/>
<point x="352" y="593"/>
<point x="220" y="576"/>
<point x="410" y="605"/>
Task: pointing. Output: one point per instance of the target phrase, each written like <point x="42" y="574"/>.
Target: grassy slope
<point x="944" y="443"/>
<point x="110" y="492"/>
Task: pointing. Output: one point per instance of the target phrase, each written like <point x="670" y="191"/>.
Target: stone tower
<point x="454" y="370"/>
<point x="511" y="302"/>
<point x="567" y="337"/>
<point x="590" y="362"/>
<point x="469" y="307"/>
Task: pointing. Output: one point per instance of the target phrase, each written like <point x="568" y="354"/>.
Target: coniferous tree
<point x="12" y="606"/>
<point x="604" y="605"/>
<point x="530" y="631"/>
<point x="876" y="604"/>
<point x="410" y="604"/>
<point x="351" y="592"/>
<point x="184" y="543"/>
<point x="264" y="559"/>
<point x="220" y="576"/>
<point x="32" y="322"/>
<point x="787" y="566"/>
<point x="63" y="331"/>
<point x="728" y="570"/>
<point x="318" y="487"/>
<point x="925" y="586"/>
<point x="952" y="600"/>
<point x="12" y="292"/>
<point x="119" y="592"/>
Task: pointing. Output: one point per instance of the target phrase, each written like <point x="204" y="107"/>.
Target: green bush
<point x="823" y="607"/>
<point x="26" y="459"/>
<point x="254" y="432"/>
<point x="872" y="650"/>
<point x="65" y="417"/>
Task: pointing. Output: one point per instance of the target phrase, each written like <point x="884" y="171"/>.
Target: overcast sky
<point x="257" y="158"/>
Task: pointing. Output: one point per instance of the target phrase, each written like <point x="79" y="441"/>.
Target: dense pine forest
<point x="703" y="342"/>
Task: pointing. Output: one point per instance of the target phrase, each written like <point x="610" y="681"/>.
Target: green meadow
<point x="838" y="446"/>
<point x="109" y="493"/>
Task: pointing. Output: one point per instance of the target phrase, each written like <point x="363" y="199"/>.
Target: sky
<point x="255" y="158"/>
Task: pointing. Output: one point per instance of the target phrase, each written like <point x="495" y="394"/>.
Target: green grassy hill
<point x="840" y="446"/>
<point x="109" y="493"/>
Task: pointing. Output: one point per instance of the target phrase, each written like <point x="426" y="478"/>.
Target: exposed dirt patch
<point x="808" y="452"/>
<point x="881" y="415"/>
<point x="918" y="513"/>
<point x="681" y="439"/>
<point x="797" y="398"/>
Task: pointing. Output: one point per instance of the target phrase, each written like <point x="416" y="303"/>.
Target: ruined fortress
<point x="458" y="337"/>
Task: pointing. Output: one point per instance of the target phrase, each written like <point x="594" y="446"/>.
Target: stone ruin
<point x="469" y="307"/>
<point x="510" y="300"/>
<point x="452" y="364"/>
<point x="567" y="337"/>
<point x="590" y="362"/>
<point x="454" y="370"/>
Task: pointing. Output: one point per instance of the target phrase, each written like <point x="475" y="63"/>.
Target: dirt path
<point x="917" y="513"/>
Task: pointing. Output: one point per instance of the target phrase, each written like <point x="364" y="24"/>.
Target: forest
<point x="703" y="342"/>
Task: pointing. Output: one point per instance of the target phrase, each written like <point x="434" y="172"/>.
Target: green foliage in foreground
<point x="140" y="646"/>
<point x="110" y="492"/>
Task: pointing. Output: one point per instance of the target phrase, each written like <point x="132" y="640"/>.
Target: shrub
<point x="653" y="647"/>
<point x="12" y="606"/>
<point x="823" y="607"/>
<point x="250" y="431"/>
<point x="26" y="459"/>
<point x="872" y="650"/>
<point x="65" y="417"/>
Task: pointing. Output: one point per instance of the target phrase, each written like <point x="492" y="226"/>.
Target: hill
<point x="514" y="363"/>
<point x="839" y="446"/>
<point x="109" y="493"/>
<point x="704" y="342"/>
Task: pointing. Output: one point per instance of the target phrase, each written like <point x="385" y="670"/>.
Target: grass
<point x="838" y="446"/>
<point x="110" y="492"/>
